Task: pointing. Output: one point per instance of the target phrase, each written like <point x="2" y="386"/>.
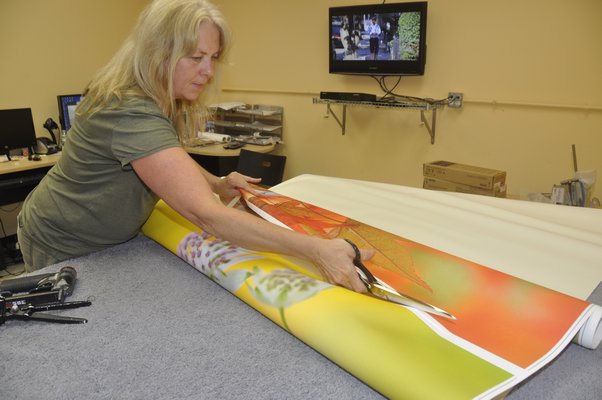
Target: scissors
<point x="383" y="291"/>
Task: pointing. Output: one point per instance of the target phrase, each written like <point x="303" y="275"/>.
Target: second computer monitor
<point x="67" y="104"/>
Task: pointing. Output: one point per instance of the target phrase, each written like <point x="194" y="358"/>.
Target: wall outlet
<point x="455" y="99"/>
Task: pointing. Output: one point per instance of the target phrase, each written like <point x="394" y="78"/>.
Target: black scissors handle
<point x="28" y="315"/>
<point x="30" y="312"/>
<point x="357" y="261"/>
<point x="62" y="306"/>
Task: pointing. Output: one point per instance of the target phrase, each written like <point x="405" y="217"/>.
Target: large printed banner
<point x="506" y="328"/>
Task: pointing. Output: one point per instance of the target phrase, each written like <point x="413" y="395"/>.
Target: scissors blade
<point x="381" y="290"/>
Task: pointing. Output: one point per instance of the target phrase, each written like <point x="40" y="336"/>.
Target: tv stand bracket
<point x="423" y="107"/>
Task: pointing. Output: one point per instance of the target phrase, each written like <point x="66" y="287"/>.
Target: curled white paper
<point x="590" y="334"/>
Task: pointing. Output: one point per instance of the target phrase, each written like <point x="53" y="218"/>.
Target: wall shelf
<point x="422" y="106"/>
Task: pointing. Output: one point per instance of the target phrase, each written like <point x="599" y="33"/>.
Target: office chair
<point x="268" y="167"/>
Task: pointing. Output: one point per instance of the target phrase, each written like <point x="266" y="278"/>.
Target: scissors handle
<point x="357" y="261"/>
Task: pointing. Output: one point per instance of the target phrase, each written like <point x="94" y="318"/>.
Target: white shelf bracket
<point x="342" y="122"/>
<point x="430" y="128"/>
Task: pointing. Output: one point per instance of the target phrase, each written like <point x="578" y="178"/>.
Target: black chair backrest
<point x="268" y="167"/>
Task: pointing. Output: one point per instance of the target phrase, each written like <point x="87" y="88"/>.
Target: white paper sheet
<point x="558" y="247"/>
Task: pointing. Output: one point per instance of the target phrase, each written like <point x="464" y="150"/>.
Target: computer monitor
<point x="16" y="130"/>
<point x="67" y="105"/>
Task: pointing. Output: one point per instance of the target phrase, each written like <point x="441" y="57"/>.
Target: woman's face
<point x="194" y="72"/>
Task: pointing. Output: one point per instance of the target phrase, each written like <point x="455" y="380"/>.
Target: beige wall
<point x="530" y="71"/>
<point x="53" y="47"/>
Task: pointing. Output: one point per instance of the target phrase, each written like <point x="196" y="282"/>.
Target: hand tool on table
<point x="23" y="298"/>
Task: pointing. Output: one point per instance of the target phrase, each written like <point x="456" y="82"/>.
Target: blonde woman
<point x="124" y="152"/>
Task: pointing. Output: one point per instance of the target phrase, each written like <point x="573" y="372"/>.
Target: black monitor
<point x="378" y="39"/>
<point x="67" y="105"/>
<point x="16" y="130"/>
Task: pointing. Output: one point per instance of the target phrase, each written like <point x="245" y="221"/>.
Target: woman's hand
<point x="335" y="261"/>
<point x="333" y="257"/>
<point x="228" y="187"/>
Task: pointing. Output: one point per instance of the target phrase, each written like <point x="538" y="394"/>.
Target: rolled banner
<point x="506" y="328"/>
<point x="218" y="137"/>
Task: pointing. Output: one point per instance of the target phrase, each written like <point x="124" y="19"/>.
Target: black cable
<point x="383" y="87"/>
<point x="391" y="96"/>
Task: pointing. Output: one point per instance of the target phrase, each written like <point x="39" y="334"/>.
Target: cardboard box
<point x="470" y="175"/>
<point x="438" y="184"/>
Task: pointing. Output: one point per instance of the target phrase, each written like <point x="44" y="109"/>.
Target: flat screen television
<point x="67" y="105"/>
<point x="16" y="130"/>
<point x="378" y="39"/>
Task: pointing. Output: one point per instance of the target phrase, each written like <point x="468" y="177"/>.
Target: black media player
<point x="347" y="96"/>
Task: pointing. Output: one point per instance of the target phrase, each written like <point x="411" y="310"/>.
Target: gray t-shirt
<point x="92" y="198"/>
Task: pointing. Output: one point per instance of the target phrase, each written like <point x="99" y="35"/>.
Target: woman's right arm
<point x="176" y="178"/>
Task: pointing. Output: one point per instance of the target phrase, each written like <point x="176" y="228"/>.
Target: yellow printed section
<point x="167" y="227"/>
<point x="381" y="343"/>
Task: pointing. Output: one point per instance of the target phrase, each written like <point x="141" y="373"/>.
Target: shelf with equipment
<point x="255" y="120"/>
<point x="420" y="105"/>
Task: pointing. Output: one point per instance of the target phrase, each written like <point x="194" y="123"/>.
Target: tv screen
<point x="67" y="104"/>
<point x="16" y="129"/>
<point x="378" y="39"/>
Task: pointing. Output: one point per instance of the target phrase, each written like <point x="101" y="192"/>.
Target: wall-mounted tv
<point x="378" y="39"/>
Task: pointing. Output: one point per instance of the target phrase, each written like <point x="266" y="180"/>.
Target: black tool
<point x="233" y="145"/>
<point x="29" y="312"/>
<point x="64" y="279"/>
<point x="23" y="298"/>
<point x="51" y="126"/>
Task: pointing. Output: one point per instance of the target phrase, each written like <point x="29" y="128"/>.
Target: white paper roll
<point x="590" y="334"/>
<point x="215" y="136"/>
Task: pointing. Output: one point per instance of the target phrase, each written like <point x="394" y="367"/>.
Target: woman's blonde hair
<point x="166" y="31"/>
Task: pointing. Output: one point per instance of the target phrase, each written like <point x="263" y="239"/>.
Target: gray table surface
<point x="158" y="329"/>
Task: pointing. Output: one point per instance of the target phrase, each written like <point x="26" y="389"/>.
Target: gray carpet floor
<point x="158" y="329"/>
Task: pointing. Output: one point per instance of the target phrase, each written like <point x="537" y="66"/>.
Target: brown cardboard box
<point x="438" y="184"/>
<point x="484" y="178"/>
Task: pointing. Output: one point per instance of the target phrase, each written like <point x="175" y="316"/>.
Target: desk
<point x="7" y="167"/>
<point x="18" y="177"/>
<point x="219" y="161"/>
